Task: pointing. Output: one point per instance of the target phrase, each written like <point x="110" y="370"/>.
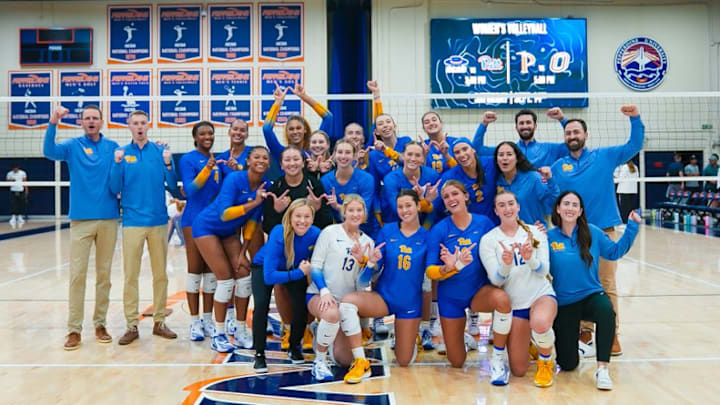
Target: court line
<point x="673" y="272"/>
<point x="28" y="276"/>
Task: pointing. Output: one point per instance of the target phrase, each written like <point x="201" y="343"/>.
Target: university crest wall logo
<point x="641" y="64"/>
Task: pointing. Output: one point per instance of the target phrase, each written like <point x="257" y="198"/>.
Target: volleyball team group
<point x="347" y="227"/>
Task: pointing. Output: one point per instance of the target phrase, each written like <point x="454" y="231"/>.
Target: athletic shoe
<point x="308" y="337"/>
<point x="285" y="342"/>
<point x="208" y="328"/>
<point x="441" y="349"/>
<point x="269" y="328"/>
<point x="545" y="373"/>
<point x="20" y="220"/>
<point x="473" y="327"/>
<point x="260" y="365"/>
<point x="533" y="352"/>
<point x="367" y="336"/>
<point x="243" y="337"/>
<point x="435" y="327"/>
<point x="196" y="331"/>
<point x="470" y="342"/>
<point x="321" y="371"/>
<point x="231" y="326"/>
<point x="359" y="370"/>
<point x="392" y="341"/>
<point x="584" y="350"/>
<point x="380" y="327"/>
<point x="427" y="340"/>
<point x="296" y="356"/>
<point x="221" y="344"/>
<point x="602" y="379"/>
<point x="499" y="369"/>
<point x="13" y="220"/>
<point x="616" y="350"/>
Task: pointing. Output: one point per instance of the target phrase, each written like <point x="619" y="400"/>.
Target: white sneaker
<point x="585" y="350"/>
<point x="602" y="379"/>
<point x="196" y="331"/>
<point x="321" y="371"/>
<point x="499" y="369"/>
<point x="380" y="327"/>
<point x="243" y="337"/>
<point x="208" y="328"/>
<point x="13" y="220"/>
<point x="231" y="326"/>
<point x="20" y="220"/>
<point x="473" y="327"/>
<point x="470" y="342"/>
<point x="435" y="327"/>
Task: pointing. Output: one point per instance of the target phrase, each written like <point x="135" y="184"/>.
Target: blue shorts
<point x="453" y="307"/>
<point x="525" y="312"/>
<point x="308" y="297"/>
<point x="200" y="228"/>
<point x="403" y="312"/>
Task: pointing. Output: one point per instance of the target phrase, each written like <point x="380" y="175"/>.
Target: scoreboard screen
<point x="477" y="56"/>
<point x="56" y="46"/>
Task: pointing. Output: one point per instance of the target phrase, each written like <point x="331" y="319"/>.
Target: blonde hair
<point x="535" y="243"/>
<point x="347" y="141"/>
<point x="352" y="198"/>
<point x="327" y="139"/>
<point x="289" y="232"/>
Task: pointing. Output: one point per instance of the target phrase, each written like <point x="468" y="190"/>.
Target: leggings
<point x="596" y="308"/>
<point x="261" y="294"/>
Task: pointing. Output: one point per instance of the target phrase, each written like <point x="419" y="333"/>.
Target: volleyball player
<point x="438" y="145"/>
<point x="318" y="161"/>
<point x="343" y="261"/>
<point x="515" y="256"/>
<point x="201" y="178"/>
<point x="215" y="232"/>
<point x="453" y="259"/>
<point x="576" y="247"/>
<point x="235" y="157"/>
<point x="284" y="260"/>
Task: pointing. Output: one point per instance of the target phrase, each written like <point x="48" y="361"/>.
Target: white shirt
<point x="626" y="187"/>
<point x="17" y="178"/>
<point x="521" y="283"/>
<point x="339" y="267"/>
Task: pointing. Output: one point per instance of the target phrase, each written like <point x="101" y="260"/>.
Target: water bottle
<point x="693" y="219"/>
<point x="676" y="217"/>
<point x="653" y="214"/>
<point x="687" y="218"/>
<point x="707" y="221"/>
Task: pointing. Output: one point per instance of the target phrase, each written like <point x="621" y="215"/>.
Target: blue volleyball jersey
<point x="396" y="181"/>
<point x="465" y="283"/>
<point x="241" y="160"/>
<point x="200" y="193"/>
<point x="273" y="259"/>
<point x="481" y="197"/>
<point x="435" y="159"/>
<point x="360" y="183"/>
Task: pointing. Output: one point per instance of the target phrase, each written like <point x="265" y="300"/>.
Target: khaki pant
<point x="606" y="273"/>
<point x="82" y="235"/>
<point x="134" y="238"/>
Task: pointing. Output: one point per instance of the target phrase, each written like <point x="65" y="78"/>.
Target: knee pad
<point x="224" y="290"/>
<point x="192" y="283"/>
<point x="544" y="340"/>
<point x="501" y="322"/>
<point x="326" y="333"/>
<point x="209" y="283"/>
<point x="427" y="284"/>
<point x="349" y="320"/>
<point x="243" y="287"/>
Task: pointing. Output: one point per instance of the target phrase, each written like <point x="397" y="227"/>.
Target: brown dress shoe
<point x="130" y="335"/>
<point x="162" y="330"/>
<point x="616" y="350"/>
<point x="72" y="342"/>
<point x="102" y="335"/>
<point x="586" y="336"/>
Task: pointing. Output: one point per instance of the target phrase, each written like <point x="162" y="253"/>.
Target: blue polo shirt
<point x="538" y="153"/>
<point x="536" y="198"/>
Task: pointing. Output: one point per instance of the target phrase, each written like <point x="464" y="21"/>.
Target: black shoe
<point x="296" y="356"/>
<point x="260" y="365"/>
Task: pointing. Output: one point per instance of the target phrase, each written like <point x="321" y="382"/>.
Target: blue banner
<point x="469" y="56"/>
<point x="131" y="85"/>
<point x="129" y="34"/>
<point x="281" y="32"/>
<point x="230" y="33"/>
<point x="285" y="78"/>
<point x="230" y="83"/>
<point x="179" y="33"/>
<point x="28" y="113"/>
<point x="181" y="84"/>
<point x="86" y="86"/>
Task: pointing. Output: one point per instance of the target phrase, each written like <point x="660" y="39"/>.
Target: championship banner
<point x="179" y="112"/>
<point x="281" y="32"/>
<point x="179" y="28"/>
<point x="284" y="78"/>
<point x="86" y="86"/>
<point x="129" y="34"/>
<point x="230" y="83"/>
<point x="29" y="114"/>
<point x="230" y="33"/>
<point x="130" y="85"/>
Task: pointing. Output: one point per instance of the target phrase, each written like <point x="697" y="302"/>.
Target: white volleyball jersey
<point x="339" y="267"/>
<point x="523" y="285"/>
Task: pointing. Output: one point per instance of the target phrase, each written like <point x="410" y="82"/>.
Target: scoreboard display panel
<point x="477" y="56"/>
<point x="56" y="46"/>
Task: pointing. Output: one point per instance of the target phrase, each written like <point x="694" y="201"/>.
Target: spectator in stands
<point x="711" y="170"/>
<point x="675" y="169"/>
<point x="627" y="191"/>
<point x="692" y="170"/>
<point x="19" y="195"/>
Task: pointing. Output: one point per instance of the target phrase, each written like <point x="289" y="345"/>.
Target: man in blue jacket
<point x="589" y="172"/>
<point x="93" y="215"/>
<point x="139" y="174"/>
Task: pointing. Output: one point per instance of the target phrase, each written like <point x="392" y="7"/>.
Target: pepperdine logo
<point x="641" y="64"/>
<point x="31" y="79"/>
<point x="81" y="78"/>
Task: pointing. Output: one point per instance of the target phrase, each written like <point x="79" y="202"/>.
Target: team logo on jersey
<point x="464" y="241"/>
<point x="566" y="167"/>
<point x="641" y="63"/>
<point x="88" y="151"/>
<point x="130" y="159"/>
<point x="557" y="247"/>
